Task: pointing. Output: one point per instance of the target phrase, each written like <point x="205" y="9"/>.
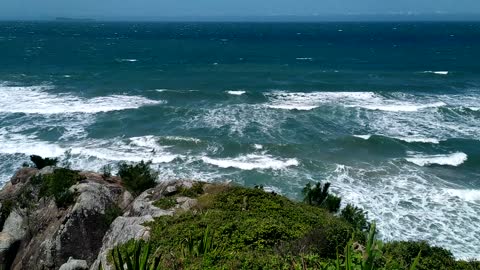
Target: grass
<point x="165" y="203"/>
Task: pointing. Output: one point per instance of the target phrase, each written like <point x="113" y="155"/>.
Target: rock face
<point x="130" y="225"/>
<point x="37" y="234"/>
<point x="44" y="236"/>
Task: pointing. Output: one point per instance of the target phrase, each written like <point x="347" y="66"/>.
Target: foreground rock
<point x="44" y="236"/>
<point x="37" y="234"/>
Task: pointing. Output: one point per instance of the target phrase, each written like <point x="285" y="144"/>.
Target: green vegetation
<point x="5" y="210"/>
<point x="57" y="185"/>
<point x="106" y="171"/>
<point x="111" y="213"/>
<point x="139" y="258"/>
<point x="137" y="177"/>
<point x="318" y="195"/>
<point x="355" y="216"/>
<point x="165" y="203"/>
<point x="240" y="228"/>
<point x="41" y="163"/>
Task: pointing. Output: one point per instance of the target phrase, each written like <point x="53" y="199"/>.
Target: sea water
<point x="389" y="113"/>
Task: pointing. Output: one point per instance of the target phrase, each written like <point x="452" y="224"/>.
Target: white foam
<point x="401" y="107"/>
<point x="310" y="101"/>
<point x="127" y="60"/>
<point x="417" y="139"/>
<point x="38" y="100"/>
<point x="365" y="137"/>
<point x="437" y="72"/>
<point x="472" y="195"/>
<point x="183" y="139"/>
<point x="454" y="159"/>
<point x="236" y="92"/>
<point x="409" y="203"/>
<point x="474" y="108"/>
<point x="304" y="58"/>
<point x="252" y="162"/>
<point x="258" y="146"/>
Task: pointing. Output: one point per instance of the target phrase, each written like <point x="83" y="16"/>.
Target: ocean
<point x="389" y="113"/>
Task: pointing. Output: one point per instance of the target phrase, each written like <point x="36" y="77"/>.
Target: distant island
<point x="66" y="19"/>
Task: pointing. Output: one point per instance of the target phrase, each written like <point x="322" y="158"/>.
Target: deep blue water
<point x="389" y="113"/>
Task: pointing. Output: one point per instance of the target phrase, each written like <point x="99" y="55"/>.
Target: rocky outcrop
<point x="130" y="225"/>
<point x="40" y="235"/>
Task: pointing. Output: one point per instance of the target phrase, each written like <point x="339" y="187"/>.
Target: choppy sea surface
<point x="389" y="113"/>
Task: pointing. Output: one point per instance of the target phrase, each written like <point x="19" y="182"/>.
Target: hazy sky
<point x="164" y="8"/>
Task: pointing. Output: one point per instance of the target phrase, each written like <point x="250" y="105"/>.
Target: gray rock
<point x="14" y="231"/>
<point x="122" y="230"/>
<point x="72" y="264"/>
<point x="47" y="170"/>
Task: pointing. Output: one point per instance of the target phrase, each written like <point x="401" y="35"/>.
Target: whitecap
<point x="472" y="195"/>
<point x="418" y="139"/>
<point x="304" y="58"/>
<point x="38" y="100"/>
<point x="252" y="162"/>
<point x="236" y="92"/>
<point x="258" y="146"/>
<point x="454" y="159"/>
<point x="437" y="72"/>
<point x="365" y="137"/>
<point x="401" y="107"/>
<point x="127" y="60"/>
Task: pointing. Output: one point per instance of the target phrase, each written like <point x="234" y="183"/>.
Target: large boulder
<point x="142" y="210"/>
<point x="51" y="235"/>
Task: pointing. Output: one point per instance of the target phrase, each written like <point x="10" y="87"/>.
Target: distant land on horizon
<point x="397" y="17"/>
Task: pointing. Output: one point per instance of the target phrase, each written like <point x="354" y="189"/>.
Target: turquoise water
<point x="389" y="113"/>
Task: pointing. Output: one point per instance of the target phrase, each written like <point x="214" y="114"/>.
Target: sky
<point x="110" y="9"/>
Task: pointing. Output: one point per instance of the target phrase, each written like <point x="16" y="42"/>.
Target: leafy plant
<point x="41" y="163"/>
<point x="355" y="216"/>
<point x="165" y="203"/>
<point x="57" y="185"/>
<point x="141" y="258"/>
<point x="318" y="195"/>
<point x="137" y="177"/>
<point x="106" y="171"/>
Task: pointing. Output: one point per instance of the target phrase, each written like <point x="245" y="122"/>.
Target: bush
<point x="165" y="203"/>
<point x="106" y="171"/>
<point x="41" y="163"/>
<point x="5" y="210"/>
<point x="111" y="213"/>
<point x="355" y="216"/>
<point x="245" y="227"/>
<point x="57" y="185"/>
<point x="137" y="177"/>
<point x="403" y="253"/>
<point x="318" y="195"/>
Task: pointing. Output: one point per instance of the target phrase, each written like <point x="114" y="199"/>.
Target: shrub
<point x="318" y="195"/>
<point x="5" y="210"/>
<point x="106" y="171"/>
<point x="165" y="203"/>
<point x="355" y="216"/>
<point x="57" y="185"/>
<point x="137" y="177"/>
<point x="403" y="253"/>
<point x="193" y="192"/>
<point x="111" y="213"/>
<point x="41" y="163"/>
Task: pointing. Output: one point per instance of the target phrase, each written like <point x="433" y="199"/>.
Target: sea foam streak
<point x="37" y="100"/>
<point x="437" y="72"/>
<point x="251" y="162"/>
<point x="310" y="101"/>
<point x="472" y="195"/>
<point x="454" y="159"/>
<point x="236" y="92"/>
<point x="410" y="205"/>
